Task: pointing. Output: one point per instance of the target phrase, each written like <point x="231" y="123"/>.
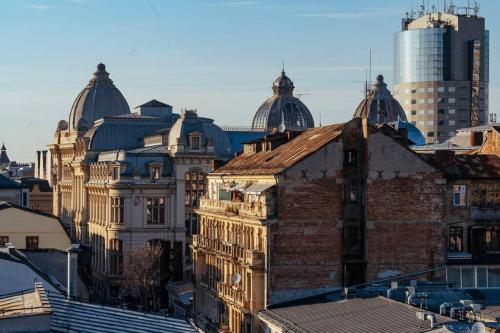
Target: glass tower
<point x="441" y="64"/>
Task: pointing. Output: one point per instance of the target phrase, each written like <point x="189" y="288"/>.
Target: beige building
<point x="303" y="213"/>
<point x="441" y="72"/>
<point x="30" y="229"/>
<point x="124" y="179"/>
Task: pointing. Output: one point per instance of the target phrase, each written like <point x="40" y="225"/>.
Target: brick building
<point x="300" y="213"/>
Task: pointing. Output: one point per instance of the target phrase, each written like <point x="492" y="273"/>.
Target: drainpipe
<point x="72" y="277"/>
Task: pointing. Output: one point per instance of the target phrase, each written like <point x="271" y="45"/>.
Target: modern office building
<point x="441" y="64"/>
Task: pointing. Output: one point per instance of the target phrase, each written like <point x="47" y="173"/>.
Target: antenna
<point x="370" y="76"/>
<point x="320" y="119"/>
<point x="283" y="65"/>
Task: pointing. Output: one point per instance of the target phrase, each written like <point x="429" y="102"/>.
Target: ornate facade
<point x="119" y="178"/>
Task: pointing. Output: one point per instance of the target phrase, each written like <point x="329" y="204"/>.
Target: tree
<point x="141" y="274"/>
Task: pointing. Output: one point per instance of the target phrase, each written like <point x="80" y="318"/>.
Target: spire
<point x="3" y="146"/>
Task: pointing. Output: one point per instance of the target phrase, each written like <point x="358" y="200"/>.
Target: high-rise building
<point x="441" y="65"/>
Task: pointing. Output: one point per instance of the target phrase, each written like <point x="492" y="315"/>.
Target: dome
<point x="379" y="107"/>
<point x="282" y="107"/>
<point x="189" y="124"/>
<point x="414" y="133"/>
<point x="99" y="99"/>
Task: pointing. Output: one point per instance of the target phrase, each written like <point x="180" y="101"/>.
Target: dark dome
<point x="379" y="107"/>
<point x="99" y="99"/>
<point x="282" y="107"/>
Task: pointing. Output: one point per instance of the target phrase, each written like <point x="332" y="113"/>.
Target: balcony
<point x="485" y="212"/>
<point x="249" y="257"/>
<point x="232" y="294"/>
<point x="260" y="210"/>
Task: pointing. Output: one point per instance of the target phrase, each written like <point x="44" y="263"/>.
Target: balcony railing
<point x="248" y="257"/>
<point x="485" y="212"/>
<point x="258" y="209"/>
<point x="232" y="294"/>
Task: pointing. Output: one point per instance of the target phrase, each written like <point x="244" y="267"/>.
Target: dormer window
<point x="115" y="173"/>
<point x="155" y="173"/>
<point x="195" y="143"/>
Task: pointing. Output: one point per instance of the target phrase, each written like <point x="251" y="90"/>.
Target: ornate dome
<point x="379" y="107"/>
<point x="99" y="99"/>
<point x="282" y="107"/>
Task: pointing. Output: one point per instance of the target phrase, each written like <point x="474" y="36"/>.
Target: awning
<point x="257" y="188"/>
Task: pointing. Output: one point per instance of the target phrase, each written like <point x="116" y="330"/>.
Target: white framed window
<point x="440" y="89"/>
<point x="115" y="173"/>
<point x="451" y="100"/>
<point x="451" y="111"/>
<point x="459" y="195"/>
<point x="155" y="210"/>
<point x="155" y="172"/>
<point x="421" y="112"/>
<point x="430" y="89"/>
<point x="421" y="101"/>
<point x="118" y="210"/>
<point x="430" y="123"/>
<point x="451" y="122"/>
<point x="451" y="89"/>
<point x="195" y="142"/>
<point x="430" y="111"/>
<point x="421" y="90"/>
<point x="430" y="100"/>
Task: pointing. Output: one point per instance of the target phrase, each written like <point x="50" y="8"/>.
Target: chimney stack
<point x="72" y="278"/>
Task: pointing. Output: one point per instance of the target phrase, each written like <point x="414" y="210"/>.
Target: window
<point x="195" y="142"/>
<point x="115" y="173"/>
<point x="459" y="195"/>
<point x="421" y="101"/>
<point x="116" y="256"/>
<point x="413" y="91"/>
<point x="451" y="89"/>
<point x="430" y="111"/>
<point x="32" y="242"/>
<point x="430" y="134"/>
<point x="492" y="238"/>
<point x="440" y="89"/>
<point x="430" y="100"/>
<point x="430" y="122"/>
<point x="4" y="240"/>
<point x="431" y="89"/>
<point x="421" y="112"/>
<point x="451" y="122"/>
<point x="118" y="210"/>
<point x="451" y="100"/>
<point x="455" y="240"/>
<point x="440" y="100"/>
<point x="451" y="111"/>
<point x="413" y="101"/>
<point x="25" y="199"/>
<point x="195" y="187"/>
<point x="441" y="111"/>
<point x="155" y="173"/>
<point x="440" y="122"/>
<point x="421" y="123"/>
<point x="421" y="90"/>
<point x="155" y="210"/>
<point x="413" y="112"/>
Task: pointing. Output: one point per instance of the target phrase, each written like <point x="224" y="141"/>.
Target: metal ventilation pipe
<point x="432" y="318"/>
<point x="443" y="308"/>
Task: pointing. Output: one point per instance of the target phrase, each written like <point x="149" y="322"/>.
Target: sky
<point x="217" y="56"/>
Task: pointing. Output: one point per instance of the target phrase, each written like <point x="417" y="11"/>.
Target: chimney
<point x="72" y="278"/>
<point x="445" y="157"/>
<point x="476" y="138"/>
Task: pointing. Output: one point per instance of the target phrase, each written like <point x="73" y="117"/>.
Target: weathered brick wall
<point x="405" y="211"/>
<point x="306" y="243"/>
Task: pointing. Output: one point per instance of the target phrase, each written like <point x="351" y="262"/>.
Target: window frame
<point x="155" y="210"/>
<point x="31" y="244"/>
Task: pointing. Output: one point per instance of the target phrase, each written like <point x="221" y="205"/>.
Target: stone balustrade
<point x="257" y="209"/>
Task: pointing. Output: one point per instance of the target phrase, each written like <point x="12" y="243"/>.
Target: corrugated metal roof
<point x="284" y="156"/>
<point x="371" y="315"/>
<point x="467" y="166"/>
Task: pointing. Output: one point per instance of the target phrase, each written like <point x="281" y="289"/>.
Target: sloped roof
<point x="6" y="182"/>
<point x="377" y="314"/>
<point x="30" y="182"/>
<point x="90" y="318"/>
<point x="467" y="166"/>
<point x="284" y="156"/>
<point x="154" y="104"/>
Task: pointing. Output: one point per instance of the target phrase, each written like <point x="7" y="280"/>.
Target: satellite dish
<point x="236" y="278"/>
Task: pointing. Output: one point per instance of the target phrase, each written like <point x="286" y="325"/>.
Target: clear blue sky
<point x="214" y="55"/>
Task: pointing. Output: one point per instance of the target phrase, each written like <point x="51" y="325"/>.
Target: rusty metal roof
<point x="467" y="166"/>
<point x="284" y="156"/>
<point x="377" y="314"/>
